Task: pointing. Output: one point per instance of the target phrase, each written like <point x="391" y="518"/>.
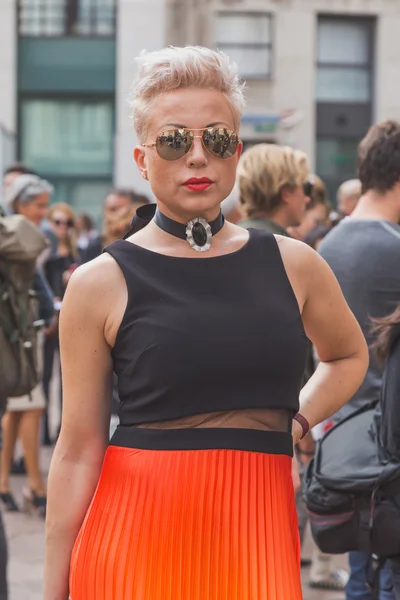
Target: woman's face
<point x="61" y="224"/>
<point x="36" y="210"/>
<point x="192" y="109"/>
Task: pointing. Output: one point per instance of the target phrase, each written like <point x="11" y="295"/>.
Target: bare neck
<point x="373" y="205"/>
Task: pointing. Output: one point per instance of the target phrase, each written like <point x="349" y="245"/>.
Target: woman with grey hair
<point x="29" y="196"/>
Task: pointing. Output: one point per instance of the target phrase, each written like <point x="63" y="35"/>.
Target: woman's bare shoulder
<point x="298" y="254"/>
<point x="304" y="267"/>
<point x="96" y="282"/>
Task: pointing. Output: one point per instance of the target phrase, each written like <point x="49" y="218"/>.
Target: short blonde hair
<point x="264" y="170"/>
<point x="176" y="68"/>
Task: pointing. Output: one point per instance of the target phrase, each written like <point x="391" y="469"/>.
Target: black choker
<point x="197" y="232"/>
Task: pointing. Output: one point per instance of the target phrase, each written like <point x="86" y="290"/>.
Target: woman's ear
<point x="140" y="158"/>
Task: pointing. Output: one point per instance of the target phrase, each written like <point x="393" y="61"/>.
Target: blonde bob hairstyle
<point x="70" y="240"/>
<point x="178" y="68"/>
<point x="264" y="170"/>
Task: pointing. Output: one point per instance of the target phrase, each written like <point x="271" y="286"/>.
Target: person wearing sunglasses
<point x="63" y="246"/>
<point x="275" y="187"/>
<point x="317" y="211"/>
<point x="62" y="257"/>
<point x="205" y="325"/>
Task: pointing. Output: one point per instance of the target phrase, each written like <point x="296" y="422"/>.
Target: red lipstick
<point x="198" y="184"/>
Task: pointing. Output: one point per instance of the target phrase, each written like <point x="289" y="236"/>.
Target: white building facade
<point x="318" y="73"/>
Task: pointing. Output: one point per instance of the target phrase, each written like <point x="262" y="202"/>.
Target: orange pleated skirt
<point x="214" y="524"/>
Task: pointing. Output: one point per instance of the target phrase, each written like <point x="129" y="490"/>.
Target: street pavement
<point x="25" y="535"/>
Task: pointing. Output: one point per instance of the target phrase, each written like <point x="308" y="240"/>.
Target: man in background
<point x="316" y="213"/>
<point x="348" y="196"/>
<point x="363" y="251"/>
<point x="274" y="187"/>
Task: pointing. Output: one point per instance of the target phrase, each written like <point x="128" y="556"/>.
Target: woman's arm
<point x="87" y="391"/>
<point x="332" y="328"/>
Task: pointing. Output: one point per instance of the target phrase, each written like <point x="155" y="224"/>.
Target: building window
<point x="337" y="158"/>
<point x="344" y="69"/>
<point x="70" y="142"/>
<point x="67" y="137"/>
<point x="66" y="17"/>
<point x="247" y="39"/>
<point x="344" y="93"/>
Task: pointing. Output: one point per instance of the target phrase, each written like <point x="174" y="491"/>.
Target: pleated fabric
<point x="189" y="525"/>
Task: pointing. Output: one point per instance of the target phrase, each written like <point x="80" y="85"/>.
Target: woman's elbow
<point x="361" y="355"/>
<point x="87" y="450"/>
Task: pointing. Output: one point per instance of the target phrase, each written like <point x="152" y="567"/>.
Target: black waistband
<point x="251" y="440"/>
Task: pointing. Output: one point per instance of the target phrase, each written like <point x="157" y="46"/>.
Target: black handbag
<point x="352" y="489"/>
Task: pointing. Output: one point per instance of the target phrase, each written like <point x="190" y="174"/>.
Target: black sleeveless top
<point x="207" y="334"/>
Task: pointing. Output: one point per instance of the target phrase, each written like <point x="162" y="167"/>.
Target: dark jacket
<point x="45" y="296"/>
<point x="55" y="266"/>
<point x="94" y="249"/>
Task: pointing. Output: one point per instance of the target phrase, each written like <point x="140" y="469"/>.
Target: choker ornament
<point x="197" y="232"/>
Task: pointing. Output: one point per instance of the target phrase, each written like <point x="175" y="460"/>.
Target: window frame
<point x="62" y="97"/>
<point x="339" y="140"/>
<point x="269" y="46"/>
<point x="70" y="19"/>
<point x="369" y="23"/>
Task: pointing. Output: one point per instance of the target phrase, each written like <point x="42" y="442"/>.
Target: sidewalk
<point x="26" y="552"/>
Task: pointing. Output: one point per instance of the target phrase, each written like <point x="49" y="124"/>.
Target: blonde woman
<point x="63" y="249"/>
<point x="61" y="259"/>
<point x="275" y="187"/>
<point x="193" y="497"/>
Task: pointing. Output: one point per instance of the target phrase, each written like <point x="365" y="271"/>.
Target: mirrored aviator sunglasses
<point x="175" y="143"/>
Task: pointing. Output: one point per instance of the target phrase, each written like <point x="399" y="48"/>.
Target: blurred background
<point x="318" y="73"/>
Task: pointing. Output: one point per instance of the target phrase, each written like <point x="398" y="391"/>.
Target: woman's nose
<point x="197" y="156"/>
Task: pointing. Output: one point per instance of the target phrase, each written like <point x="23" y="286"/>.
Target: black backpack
<point x="352" y="489"/>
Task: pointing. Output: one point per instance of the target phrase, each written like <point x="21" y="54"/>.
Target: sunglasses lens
<point x="221" y="143"/>
<point x="172" y="145"/>
<point x="308" y="188"/>
<point x="59" y="222"/>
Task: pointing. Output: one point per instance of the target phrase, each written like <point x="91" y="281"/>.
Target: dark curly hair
<point x="379" y="157"/>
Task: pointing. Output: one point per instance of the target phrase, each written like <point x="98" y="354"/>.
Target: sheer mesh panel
<point x="249" y="418"/>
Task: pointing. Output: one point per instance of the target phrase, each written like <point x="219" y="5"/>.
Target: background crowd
<point x="357" y="233"/>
